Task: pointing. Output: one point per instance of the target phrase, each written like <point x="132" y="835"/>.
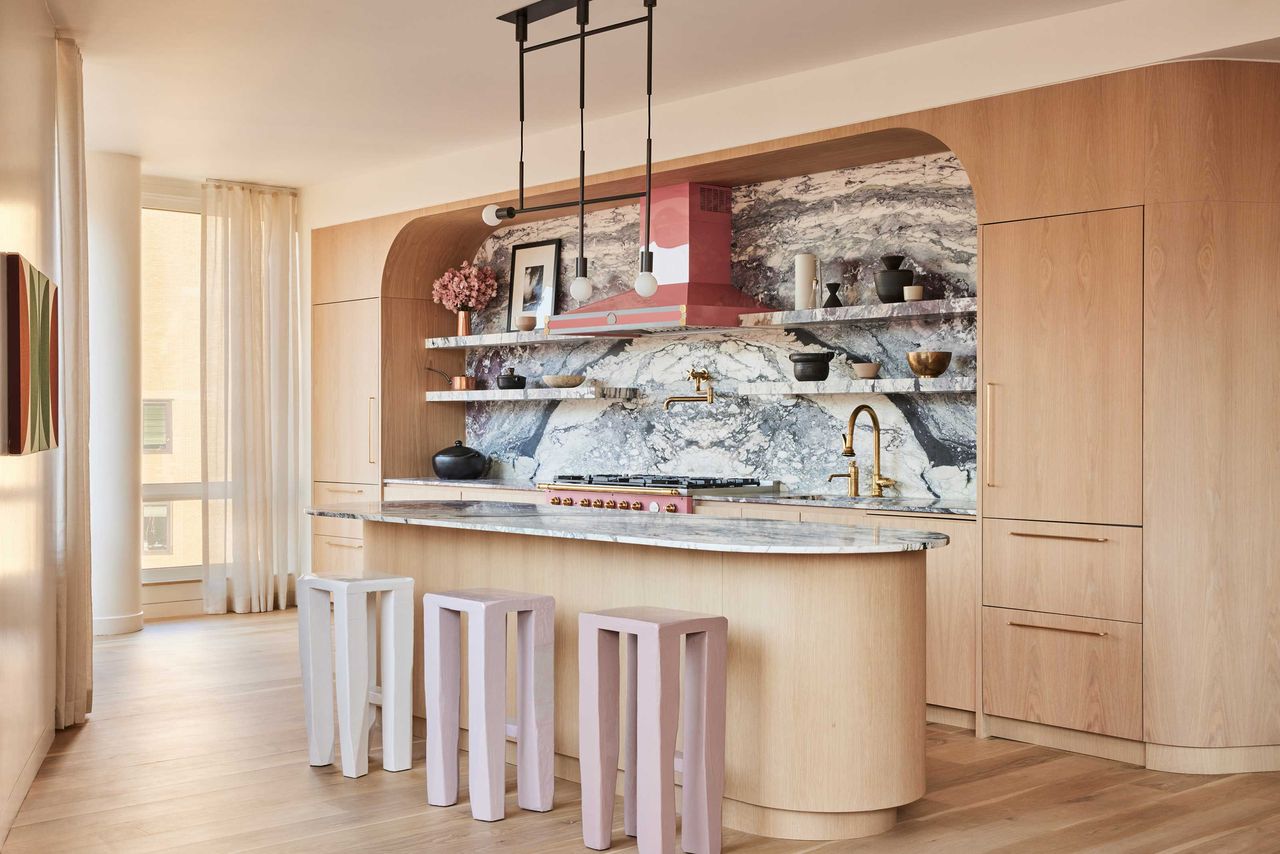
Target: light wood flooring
<point x="196" y="744"/>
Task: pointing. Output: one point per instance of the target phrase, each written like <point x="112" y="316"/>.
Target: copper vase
<point x="464" y="322"/>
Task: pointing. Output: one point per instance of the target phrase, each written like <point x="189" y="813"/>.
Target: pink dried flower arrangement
<point x="465" y="288"/>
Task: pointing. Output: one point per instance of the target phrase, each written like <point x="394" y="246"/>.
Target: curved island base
<point x="825" y="726"/>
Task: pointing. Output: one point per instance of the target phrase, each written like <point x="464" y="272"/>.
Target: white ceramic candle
<point x="913" y="293"/>
<point x="806" y="272"/>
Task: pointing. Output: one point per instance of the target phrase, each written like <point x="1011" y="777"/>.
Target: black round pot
<point x="892" y="279"/>
<point x="811" y="367"/>
<point x="460" y="463"/>
<point x="509" y="380"/>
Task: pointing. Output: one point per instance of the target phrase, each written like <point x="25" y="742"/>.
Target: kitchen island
<point x="826" y="704"/>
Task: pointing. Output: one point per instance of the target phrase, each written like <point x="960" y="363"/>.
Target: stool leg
<point x="597" y="731"/>
<point x="397" y="680"/>
<point x="487" y="712"/>
<point x="316" y="653"/>
<point x="371" y="641"/>
<point x="350" y="624"/>
<point x="704" y="714"/>
<point x="536" y="702"/>
<point x="629" y="776"/>
<point x="656" y="712"/>
<point x="442" y="652"/>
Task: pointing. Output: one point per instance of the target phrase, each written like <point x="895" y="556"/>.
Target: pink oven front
<point x="628" y="501"/>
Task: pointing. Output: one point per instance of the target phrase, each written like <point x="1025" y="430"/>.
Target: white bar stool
<point x="486" y="612"/>
<point x="653" y="699"/>
<point x="355" y="601"/>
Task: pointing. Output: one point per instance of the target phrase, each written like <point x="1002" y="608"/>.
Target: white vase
<point x="806" y="273"/>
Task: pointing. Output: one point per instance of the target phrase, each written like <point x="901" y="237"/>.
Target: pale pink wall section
<point x="30" y="501"/>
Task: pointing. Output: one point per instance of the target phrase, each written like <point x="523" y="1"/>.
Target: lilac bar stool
<point x="653" y="699"/>
<point x="486" y="612"/>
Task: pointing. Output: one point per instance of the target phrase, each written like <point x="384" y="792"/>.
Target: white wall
<point x="31" y="501"/>
<point x="114" y="196"/>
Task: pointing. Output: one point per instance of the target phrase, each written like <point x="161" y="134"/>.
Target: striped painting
<point x="31" y="357"/>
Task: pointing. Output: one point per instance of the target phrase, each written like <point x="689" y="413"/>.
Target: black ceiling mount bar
<point x="539" y="10"/>
<point x="597" y="31"/>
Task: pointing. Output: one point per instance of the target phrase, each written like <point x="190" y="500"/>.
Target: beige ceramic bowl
<point x="563" y="380"/>
<point x="526" y="322"/>
<point x="928" y="363"/>
<point x="866" y="370"/>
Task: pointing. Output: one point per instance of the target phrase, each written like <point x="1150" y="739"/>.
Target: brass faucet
<point x="698" y="376"/>
<point x="878" y="482"/>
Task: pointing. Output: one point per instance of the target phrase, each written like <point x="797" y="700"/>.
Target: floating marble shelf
<point x="582" y="392"/>
<point x="904" y="385"/>
<point x="501" y="339"/>
<point x="936" y="309"/>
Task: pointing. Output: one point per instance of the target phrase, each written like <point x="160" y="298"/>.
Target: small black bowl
<point x="812" y="367"/>
<point x="510" y="380"/>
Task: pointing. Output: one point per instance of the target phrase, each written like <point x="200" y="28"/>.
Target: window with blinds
<point x="157" y="426"/>
<point x="157" y="531"/>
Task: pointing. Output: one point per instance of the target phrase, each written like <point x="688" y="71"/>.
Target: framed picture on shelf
<point x="535" y="273"/>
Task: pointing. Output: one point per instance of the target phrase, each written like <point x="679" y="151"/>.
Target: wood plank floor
<point x="196" y="744"/>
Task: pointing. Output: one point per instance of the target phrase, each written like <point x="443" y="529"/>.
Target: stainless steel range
<point x="652" y="493"/>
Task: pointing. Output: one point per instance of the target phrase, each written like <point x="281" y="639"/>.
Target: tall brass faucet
<point x="698" y="376"/>
<point x="878" y="482"/>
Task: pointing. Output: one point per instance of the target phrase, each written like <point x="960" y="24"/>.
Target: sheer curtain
<point x="250" y="411"/>
<point x="73" y="694"/>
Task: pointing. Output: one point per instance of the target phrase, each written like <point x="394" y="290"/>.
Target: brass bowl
<point x="928" y="363"/>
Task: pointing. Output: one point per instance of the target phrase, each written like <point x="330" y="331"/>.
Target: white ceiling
<point x="300" y="91"/>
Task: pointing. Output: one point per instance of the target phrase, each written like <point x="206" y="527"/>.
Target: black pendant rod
<point x="646" y="255"/>
<point x="522" y="36"/>
<point x="583" y="18"/>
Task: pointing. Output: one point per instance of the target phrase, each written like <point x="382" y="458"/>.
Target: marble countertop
<point x="672" y="531"/>
<point x="893" y="504"/>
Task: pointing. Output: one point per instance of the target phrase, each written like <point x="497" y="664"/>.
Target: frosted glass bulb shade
<point x="490" y="215"/>
<point x="580" y="289"/>
<point x="646" y="284"/>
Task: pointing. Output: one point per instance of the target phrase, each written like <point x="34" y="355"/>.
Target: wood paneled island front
<point x="826" y="667"/>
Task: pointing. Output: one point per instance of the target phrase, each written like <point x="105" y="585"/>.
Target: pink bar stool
<point x="486" y="612"/>
<point x="653" y="699"/>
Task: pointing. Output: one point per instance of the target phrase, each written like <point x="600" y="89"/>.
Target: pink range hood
<point x="691" y="233"/>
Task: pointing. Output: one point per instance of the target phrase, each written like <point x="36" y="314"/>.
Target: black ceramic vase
<point x="833" y="301"/>
<point x="509" y="380"/>
<point x="892" y="279"/>
<point x="460" y="463"/>
<point x="812" y="367"/>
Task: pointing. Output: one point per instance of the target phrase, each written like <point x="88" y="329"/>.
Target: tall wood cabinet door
<point x="1062" y="364"/>
<point x="345" y="392"/>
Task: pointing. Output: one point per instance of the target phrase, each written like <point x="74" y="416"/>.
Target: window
<point x="157" y="532"/>
<point x="157" y="426"/>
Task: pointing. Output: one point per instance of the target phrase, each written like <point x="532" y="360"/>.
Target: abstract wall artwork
<point x="31" y="371"/>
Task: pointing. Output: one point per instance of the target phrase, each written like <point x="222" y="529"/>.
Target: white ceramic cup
<point x="913" y="293"/>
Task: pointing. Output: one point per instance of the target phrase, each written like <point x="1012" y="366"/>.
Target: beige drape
<point x="74" y="681"/>
<point x="250" y="411"/>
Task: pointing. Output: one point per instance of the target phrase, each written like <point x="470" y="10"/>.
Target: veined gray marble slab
<point x="941" y="506"/>
<point x="868" y="313"/>
<point x="669" y="531"/>
<point x="898" y="385"/>
<point x="499" y="339"/>
<point x="480" y="482"/>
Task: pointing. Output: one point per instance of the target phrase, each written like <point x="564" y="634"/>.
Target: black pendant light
<point x="580" y="289"/>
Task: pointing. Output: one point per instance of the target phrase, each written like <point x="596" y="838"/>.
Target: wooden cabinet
<point x="951" y="598"/>
<point x="345" y="395"/>
<point x="340" y="493"/>
<point x="337" y="555"/>
<point x="348" y="260"/>
<point x="1063" y="671"/>
<point x="420" y="492"/>
<point x="1085" y="570"/>
<point x="1062" y="361"/>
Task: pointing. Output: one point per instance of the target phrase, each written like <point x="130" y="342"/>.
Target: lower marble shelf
<point x="901" y="385"/>
<point x="582" y="392"/>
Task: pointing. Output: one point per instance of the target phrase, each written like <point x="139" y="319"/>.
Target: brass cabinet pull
<point x="346" y="491"/>
<point x="344" y="545"/>
<point x="1058" y="629"/>
<point x="1057" y="537"/>
<point x="372" y="403"/>
<point x="989" y="429"/>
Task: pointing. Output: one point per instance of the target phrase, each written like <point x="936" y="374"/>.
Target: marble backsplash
<point x="922" y="208"/>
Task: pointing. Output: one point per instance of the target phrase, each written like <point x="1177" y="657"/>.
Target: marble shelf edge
<point x="850" y="314"/>
<point x="585" y="392"/>
<point x="903" y="385"/>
